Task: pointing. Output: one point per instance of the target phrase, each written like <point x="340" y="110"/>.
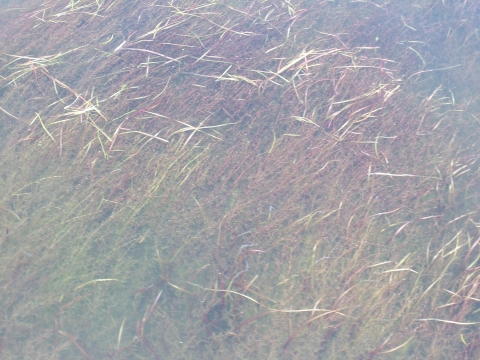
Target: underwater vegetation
<point x="285" y="179"/>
